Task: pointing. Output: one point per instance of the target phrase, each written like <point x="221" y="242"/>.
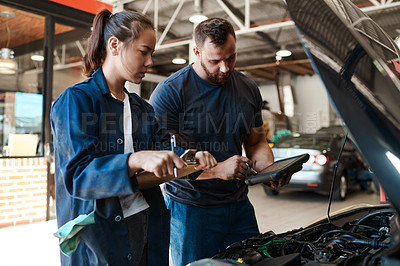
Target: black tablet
<point x="278" y="169"/>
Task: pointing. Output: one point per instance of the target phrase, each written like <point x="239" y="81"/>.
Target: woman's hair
<point x="125" y="25"/>
<point x="217" y="29"/>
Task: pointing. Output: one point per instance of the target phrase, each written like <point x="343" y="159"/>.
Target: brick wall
<point x="23" y="191"/>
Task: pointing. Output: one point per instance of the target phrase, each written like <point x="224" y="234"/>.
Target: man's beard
<point x="214" y="77"/>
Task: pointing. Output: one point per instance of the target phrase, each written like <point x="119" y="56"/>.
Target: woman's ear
<point x="113" y="45"/>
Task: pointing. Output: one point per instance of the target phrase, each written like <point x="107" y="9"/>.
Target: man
<point x="210" y="106"/>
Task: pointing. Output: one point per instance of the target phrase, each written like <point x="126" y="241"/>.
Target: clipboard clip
<point x="189" y="156"/>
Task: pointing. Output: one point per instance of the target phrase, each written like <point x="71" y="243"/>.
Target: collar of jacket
<point x="100" y="80"/>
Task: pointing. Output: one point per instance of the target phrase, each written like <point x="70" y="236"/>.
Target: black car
<point x="360" y="67"/>
<point x="317" y="173"/>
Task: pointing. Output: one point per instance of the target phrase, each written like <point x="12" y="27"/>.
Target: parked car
<point x="360" y="67"/>
<point x="317" y="173"/>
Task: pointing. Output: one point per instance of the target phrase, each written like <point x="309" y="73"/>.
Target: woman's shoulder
<point x="140" y="101"/>
<point x="84" y="91"/>
<point x="85" y="88"/>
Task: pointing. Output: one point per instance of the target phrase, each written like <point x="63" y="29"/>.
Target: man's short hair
<point x="217" y="29"/>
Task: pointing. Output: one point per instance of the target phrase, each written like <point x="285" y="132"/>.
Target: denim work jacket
<point x="92" y="172"/>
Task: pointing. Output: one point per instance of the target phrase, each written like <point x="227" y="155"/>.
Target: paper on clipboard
<point x="148" y="180"/>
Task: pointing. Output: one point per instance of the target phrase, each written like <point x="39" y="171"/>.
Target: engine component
<point x="358" y="241"/>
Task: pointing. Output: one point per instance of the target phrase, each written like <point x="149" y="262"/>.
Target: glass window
<point x="21" y="90"/>
<point x="20" y="123"/>
<point x="21" y="100"/>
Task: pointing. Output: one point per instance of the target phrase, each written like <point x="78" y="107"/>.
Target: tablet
<point x="278" y="169"/>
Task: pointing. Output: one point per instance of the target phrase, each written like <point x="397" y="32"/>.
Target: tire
<point x="340" y="193"/>
<point x="270" y="191"/>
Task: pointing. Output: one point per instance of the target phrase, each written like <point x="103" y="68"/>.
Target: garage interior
<point x="263" y="28"/>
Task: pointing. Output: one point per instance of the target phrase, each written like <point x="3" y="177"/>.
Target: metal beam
<point x="246" y="18"/>
<point x="173" y="44"/>
<point x="60" y="13"/>
<point x="80" y="47"/>
<point x="147" y="7"/>
<point x="247" y="14"/>
<point x="47" y="99"/>
<point x="156" y="16"/>
<point x="230" y="14"/>
<point x="59" y="39"/>
<point x="270" y="65"/>
<point x="177" y="10"/>
<point x="375" y="2"/>
<point x="267" y="27"/>
<point x="380" y="7"/>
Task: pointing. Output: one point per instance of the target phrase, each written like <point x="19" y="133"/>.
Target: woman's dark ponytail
<point x="95" y="49"/>
<point x="125" y="25"/>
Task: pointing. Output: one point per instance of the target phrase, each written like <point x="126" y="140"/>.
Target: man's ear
<point x="113" y="44"/>
<point x="196" y="51"/>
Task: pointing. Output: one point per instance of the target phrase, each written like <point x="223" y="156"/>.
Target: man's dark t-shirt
<point x="210" y="117"/>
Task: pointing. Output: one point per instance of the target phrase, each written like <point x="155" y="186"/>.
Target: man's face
<point x="218" y="62"/>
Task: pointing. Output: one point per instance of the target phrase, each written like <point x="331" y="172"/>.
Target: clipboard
<point x="148" y="180"/>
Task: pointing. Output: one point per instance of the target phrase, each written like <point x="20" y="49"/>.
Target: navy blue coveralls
<point x="92" y="172"/>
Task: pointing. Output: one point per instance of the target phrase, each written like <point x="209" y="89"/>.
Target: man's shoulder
<point x="239" y="75"/>
<point x="178" y="76"/>
<point x="171" y="86"/>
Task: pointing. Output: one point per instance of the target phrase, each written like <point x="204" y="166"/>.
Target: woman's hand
<point x="160" y="163"/>
<point x="205" y="159"/>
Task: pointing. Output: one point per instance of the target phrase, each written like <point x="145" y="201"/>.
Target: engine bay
<point x="359" y="237"/>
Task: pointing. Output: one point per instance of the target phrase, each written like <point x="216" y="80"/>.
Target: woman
<point x="103" y="136"/>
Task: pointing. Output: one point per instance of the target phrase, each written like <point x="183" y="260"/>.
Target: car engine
<point x="360" y="239"/>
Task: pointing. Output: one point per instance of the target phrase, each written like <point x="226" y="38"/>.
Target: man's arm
<point x="257" y="148"/>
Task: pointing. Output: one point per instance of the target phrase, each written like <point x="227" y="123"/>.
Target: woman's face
<point x="136" y="56"/>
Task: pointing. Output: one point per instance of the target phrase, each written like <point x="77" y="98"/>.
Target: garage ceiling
<point x="262" y="27"/>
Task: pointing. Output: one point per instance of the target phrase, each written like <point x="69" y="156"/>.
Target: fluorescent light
<point x="179" y="61"/>
<point x="37" y="57"/>
<point x="283" y="53"/>
<point x="197" y="18"/>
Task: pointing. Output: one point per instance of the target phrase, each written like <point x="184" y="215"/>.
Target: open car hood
<point x="360" y="67"/>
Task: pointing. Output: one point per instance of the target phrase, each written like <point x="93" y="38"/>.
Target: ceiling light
<point x="197" y="18"/>
<point x="8" y="65"/>
<point x="283" y="53"/>
<point x="179" y="60"/>
<point x="37" y="57"/>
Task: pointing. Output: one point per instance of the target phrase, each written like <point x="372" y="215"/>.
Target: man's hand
<point x="282" y="181"/>
<point x="234" y="167"/>
<point x="160" y="163"/>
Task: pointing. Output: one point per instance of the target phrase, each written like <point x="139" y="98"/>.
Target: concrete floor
<point x="293" y="209"/>
<point x="35" y="244"/>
